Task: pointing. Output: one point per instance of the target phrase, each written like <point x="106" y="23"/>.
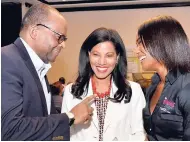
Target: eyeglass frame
<point x="61" y="37"/>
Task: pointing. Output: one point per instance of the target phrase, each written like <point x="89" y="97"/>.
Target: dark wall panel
<point x="11" y="16"/>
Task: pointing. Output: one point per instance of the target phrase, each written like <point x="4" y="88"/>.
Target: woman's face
<point x="103" y="59"/>
<point x="147" y="61"/>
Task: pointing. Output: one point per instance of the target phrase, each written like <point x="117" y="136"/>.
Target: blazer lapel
<point x="92" y="104"/>
<point x="113" y="109"/>
<point x="24" y="54"/>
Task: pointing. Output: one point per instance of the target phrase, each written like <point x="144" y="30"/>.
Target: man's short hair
<point x="36" y="14"/>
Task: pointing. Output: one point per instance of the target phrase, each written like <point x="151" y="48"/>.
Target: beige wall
<point x="81" y="24"/>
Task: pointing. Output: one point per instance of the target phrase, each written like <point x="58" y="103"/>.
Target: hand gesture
<point x="83" y="112"/>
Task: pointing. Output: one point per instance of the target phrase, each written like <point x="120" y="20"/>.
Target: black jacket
<point x="170" y="119"/>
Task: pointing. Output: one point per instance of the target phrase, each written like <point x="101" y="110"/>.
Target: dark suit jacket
<point x="24" y="113"/>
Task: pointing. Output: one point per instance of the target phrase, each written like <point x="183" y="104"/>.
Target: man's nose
<point x="62" y="45"/>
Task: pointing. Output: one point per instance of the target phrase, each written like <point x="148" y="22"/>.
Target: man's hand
<point x="83" y="112"/>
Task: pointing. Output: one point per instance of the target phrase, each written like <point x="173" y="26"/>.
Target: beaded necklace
<point x="100" y="95"/>
<point x="101" y="103"/>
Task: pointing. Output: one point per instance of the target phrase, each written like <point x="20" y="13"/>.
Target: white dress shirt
<point x="41" y="69"/>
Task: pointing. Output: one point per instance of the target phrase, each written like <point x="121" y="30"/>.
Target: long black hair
<point x="166" y="41"/>
<point x="119" y="73"/>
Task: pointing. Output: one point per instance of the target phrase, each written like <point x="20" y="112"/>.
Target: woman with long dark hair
<point x="163" y="46"/>
<point x="119" y="103"/>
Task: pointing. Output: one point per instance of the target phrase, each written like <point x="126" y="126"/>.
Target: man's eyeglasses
<point x="61" y="36"/>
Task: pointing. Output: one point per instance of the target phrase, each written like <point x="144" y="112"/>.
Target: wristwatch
<point x="71" y="118"/>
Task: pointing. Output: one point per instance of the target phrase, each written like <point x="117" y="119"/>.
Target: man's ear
<point x="33" y="31"/>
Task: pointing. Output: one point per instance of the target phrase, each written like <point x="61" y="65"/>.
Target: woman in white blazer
<point x="118" y="106"/>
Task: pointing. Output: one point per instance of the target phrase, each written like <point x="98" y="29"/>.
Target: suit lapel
<point x="24" y="54"/>
<point x="47" y="83"/>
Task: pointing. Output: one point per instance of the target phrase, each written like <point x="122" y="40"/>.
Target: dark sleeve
<point x="14" y="125"/>
<point x="185" y="107"/>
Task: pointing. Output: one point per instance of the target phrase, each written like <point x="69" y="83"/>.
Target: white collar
<point x="39" y="65"/>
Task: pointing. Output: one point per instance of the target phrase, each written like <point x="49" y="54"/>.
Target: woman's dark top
<point x="170" y="119"/>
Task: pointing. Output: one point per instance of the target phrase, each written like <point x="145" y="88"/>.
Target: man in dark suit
<point x="27" y="111"/>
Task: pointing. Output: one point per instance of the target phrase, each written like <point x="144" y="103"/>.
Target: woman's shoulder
<point x="67" y="90"/>
<point x="134" y="85"/>
<point x="184" y="94"/>
<point x="136" y="90"/>
<point x="68" y="87"/>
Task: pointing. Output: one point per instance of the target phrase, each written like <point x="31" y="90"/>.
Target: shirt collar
<point x="171" y="77"/>
<point x="155" y="78"/>
<point x="41" y="67"/>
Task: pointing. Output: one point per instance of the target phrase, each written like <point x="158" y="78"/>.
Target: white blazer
<point x="123" y="122"/>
